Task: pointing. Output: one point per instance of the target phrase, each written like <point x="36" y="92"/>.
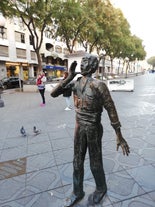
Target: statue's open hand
<point x="72" y="68"/>
<point x="124" y="145"/>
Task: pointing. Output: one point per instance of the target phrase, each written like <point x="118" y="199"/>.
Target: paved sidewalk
<point x="36" y="171"/>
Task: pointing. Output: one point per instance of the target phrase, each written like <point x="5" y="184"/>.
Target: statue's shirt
<point x="89" y="99"/>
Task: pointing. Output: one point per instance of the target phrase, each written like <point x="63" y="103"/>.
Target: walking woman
<point x="41" y="79"/>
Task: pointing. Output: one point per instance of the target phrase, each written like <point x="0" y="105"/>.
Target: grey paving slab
<point x="144" y="176"/>
<point x="38" y="148"/>
<point x="2" y="141"/>
<point x="40" y="161"/>
<point x="134" y="160"/>
<point x="14" y="142"/>
<point x="13" y="153"/>
<point x="149" y="154"/>
<point x="110" y="163"/>
<point x="43" y="180"/>
<point x="42" y="137"/>
<point x="12" y="188"/>
<point x="59" y="132"/>
<point x="121" y="186"/>
<point x="63" y="156"/>
<point x="152" y="195"/>
<point x="139" y="201"/>
<point x="62" y="143"/>
<point x="39" y="200"/>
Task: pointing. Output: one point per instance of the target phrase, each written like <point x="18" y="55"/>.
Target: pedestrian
<point x="90" y="97"/>
<point x="41" y="79"/>
<point x="67" y="93"/>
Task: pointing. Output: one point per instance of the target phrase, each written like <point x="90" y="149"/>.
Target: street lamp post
<point x="127" y="65"/>
<point x="2" y="24"/>
<point x="119" y="63"/>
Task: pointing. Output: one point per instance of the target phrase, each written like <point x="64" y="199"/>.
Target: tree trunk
<point x="39" y="61"/>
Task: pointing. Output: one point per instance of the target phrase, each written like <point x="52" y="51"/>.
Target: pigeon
<point x="23" y="132"/>
<point x="36" y="131"/>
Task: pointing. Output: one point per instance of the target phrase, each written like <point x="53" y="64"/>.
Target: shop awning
<point x="53" y="67"/>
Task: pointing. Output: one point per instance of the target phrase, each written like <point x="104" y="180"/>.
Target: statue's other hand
<point x="121" y="142"/>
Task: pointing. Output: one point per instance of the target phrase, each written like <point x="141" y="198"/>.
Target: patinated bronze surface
<point x="91" y="96"/>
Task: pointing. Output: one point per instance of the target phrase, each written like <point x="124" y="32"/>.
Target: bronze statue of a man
<point x="90" y="97"/>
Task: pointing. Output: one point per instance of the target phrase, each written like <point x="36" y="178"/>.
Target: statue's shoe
<point x="73" y="199"/>
<point x="96" y="197"/>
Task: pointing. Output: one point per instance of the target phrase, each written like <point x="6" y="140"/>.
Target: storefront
<point x="54" y="70"/>
<point x="17" y="69"/>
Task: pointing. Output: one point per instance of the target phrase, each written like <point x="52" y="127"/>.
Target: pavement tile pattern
<point x="12" y="168"/>
<point x="36" y="171"/>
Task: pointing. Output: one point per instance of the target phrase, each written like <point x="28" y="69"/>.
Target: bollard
<point x="1" y="101"/>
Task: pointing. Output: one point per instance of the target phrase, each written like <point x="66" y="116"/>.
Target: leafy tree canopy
<point x="151" y="61"/>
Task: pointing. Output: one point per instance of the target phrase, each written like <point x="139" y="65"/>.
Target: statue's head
<point x="89" y="64"/>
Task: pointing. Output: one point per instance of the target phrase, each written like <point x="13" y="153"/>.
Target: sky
<point x="140" y="14"/>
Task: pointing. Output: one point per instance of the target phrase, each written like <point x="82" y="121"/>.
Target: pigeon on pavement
<point x="36" y="131"/>
<point x="23" y="132"/>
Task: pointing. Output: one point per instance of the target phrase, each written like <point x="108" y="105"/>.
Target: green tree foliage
<point x="93" y="31"/>
<point x="138" y="51"/>
<point x="36" y="15"/>
<point x="70" y="19"/>
<point x="151" y="61"/>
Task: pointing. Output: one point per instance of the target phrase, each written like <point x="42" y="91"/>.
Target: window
<point x="3" y="32"/>
<point x="31" y="40"/>
<point x="20" y="37"/>
<point x="4" y="51"/>
<point x="21" y="53"/>
<point x="33" y="55"/>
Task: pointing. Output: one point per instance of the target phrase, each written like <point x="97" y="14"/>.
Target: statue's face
<point x="84" y="64"/>
<point x="89" y="65"/>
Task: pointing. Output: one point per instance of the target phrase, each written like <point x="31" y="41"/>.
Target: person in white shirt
<point x="41" y="79"/>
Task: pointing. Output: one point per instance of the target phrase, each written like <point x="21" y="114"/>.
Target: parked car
<point x="11" y="82"/>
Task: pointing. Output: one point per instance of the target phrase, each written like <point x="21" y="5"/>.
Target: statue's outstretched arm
<point x="109" y="105"/>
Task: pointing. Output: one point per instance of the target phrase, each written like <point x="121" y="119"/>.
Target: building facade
<point x="18" y="58"/>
